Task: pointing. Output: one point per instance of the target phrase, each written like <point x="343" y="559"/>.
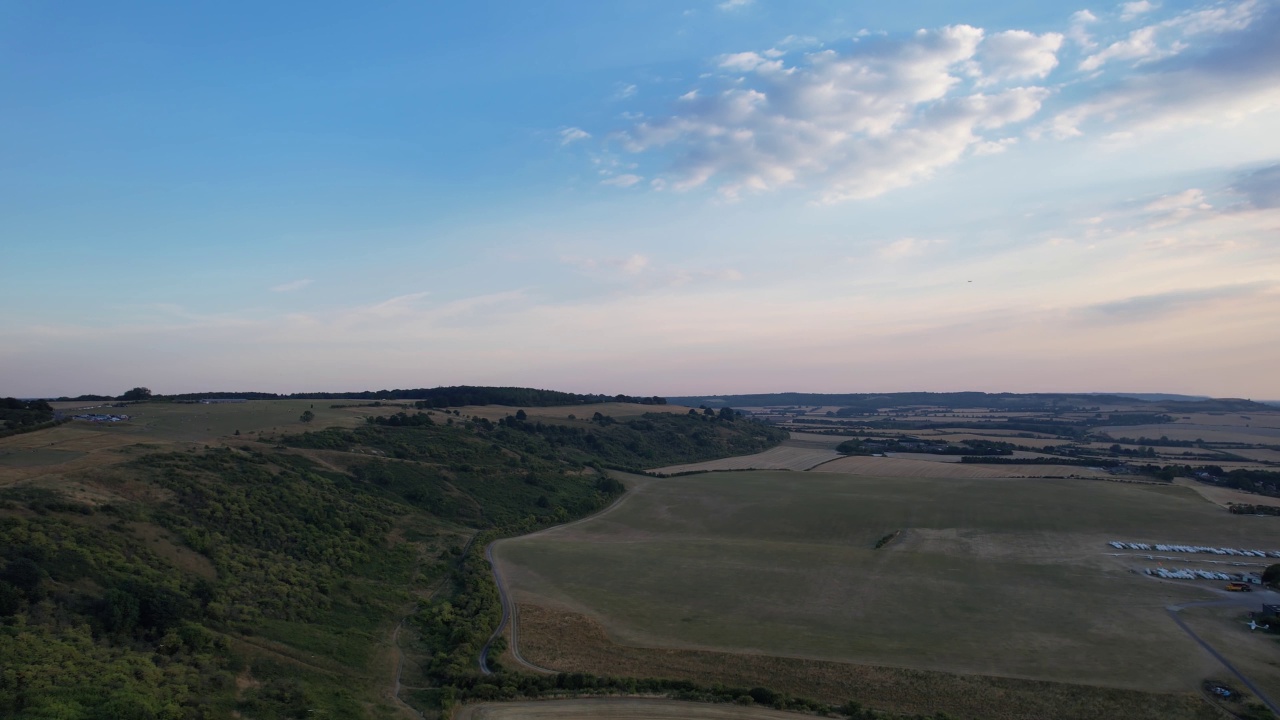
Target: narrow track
<point x="1229" y="602"/>
<point x="509" y="613"/>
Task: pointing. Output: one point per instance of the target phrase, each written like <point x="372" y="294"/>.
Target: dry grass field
<point x="575" y="643"/>
<point x="73" y="454"/>
<point x="806" y="439"/>
<point x="902" y="467"/>
<point x="956" y="436"/>
<point x="999" y="577"/>
<point x="1254" y="434"/>
<point x="784" y="457"/>
<point x="1226" y="496"/>
<point x="1259" y="455"/>
<point x="617" y="709"/>
<point x="935" y="457"/>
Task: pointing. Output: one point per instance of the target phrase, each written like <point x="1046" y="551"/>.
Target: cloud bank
<point x="870" y="115"/>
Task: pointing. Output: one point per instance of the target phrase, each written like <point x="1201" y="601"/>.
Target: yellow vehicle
<point x="1239" y="587"/>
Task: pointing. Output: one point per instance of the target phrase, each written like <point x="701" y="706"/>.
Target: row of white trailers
<point x="1120" y="545"/>
<point x="1194" y="575"/>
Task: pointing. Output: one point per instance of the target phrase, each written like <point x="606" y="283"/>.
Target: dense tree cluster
<point x="137" y="609"/>
<point x="16" y="414"/>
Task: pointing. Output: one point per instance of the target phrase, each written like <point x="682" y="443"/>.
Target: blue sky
<point x="642" y="197"/>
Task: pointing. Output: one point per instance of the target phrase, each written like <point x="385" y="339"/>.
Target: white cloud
<point x="1019" y="55"/>
<point x="624" y="91"/>
<point x="291" y="286"/>
<point x="1078" y="30"/>
<point x="1131" y="10"/>
<point x="635" y="264"/>
<point x="1140" y="45"/>
<point x="906" y="248"/>
<point x="1169" y="37"/>
<point x="1235" y="78"/>
<point x="733" y="4"/>
<point x="624" y="181"/>
<point x="861" y="123"/>
<point x="1193" y="198"/>
<point x="573" y="134"/>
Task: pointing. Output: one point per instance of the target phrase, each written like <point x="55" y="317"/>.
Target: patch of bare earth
<point x="570" y="642"/>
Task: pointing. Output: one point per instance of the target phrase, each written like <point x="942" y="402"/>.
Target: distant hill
<point x="1000" y="401"/>
<point x="455" y="396"/>
<point x="1163" y="397"/>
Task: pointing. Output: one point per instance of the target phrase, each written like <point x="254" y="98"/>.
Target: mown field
<point x="989" y="576"/>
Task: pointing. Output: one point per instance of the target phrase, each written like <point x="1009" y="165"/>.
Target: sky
<point x="641" y="196"/>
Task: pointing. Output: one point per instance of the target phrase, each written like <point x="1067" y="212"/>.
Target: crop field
<point x="1190" y="431"/>
<point x="804" y="439"/>
<point x="784" y="457"/>
<point x="1259" y="455"/>
<point x="902" y="467"/>
<point x="618" y="709"/>
<point x="999" y="435"/>
<point x="992" y="577"/>
<point x="1224" y="496"/>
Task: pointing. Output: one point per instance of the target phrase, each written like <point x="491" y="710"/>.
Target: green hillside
<point x="266" y="578"/>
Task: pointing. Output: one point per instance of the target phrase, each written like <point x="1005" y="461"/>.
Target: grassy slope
<point x="1003" y="577"/>
<point x="253" y="577"/>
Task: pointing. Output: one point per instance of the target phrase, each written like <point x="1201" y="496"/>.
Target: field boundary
<point x="510" y="612"/>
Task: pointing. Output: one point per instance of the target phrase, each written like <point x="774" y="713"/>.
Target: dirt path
<point x="509" y="613"/>
<point x="396" y="686"/>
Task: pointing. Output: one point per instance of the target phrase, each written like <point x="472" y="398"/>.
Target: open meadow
<point x="987" y="576"/>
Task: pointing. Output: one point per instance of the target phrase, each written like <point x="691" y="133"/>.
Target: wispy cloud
<point x="906" y="248"/>
<point x="1233" y="78"/>
<point x="625" y="180"/>
<point x="291" y="286"/>
<point x="733" y="4"/>
<point x="572" y="134"/>
<point x="1261" y="187"/>
<point x="1131" y="10"/>
<point x="1148" y="307"/>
